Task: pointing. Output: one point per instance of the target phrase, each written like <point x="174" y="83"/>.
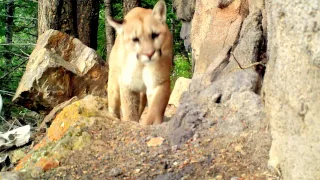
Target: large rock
<point x="184" y="9"/>
<point x="215" y="25"/>
<point x="181" y="85"/>
<point x="224" y="96"/>
<point x="185" y="35"/>
<point x="292" y="87"/>
<point x="59" y="68"/>
<point x="68" y="132"/>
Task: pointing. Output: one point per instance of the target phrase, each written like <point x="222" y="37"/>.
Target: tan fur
<point x="140" y="69"/>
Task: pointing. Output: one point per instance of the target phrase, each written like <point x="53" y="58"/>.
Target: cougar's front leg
<point x="129" y="104"/>
<point x="113" y="95"/>
<point x="143" y="103"/>
<point x="157" y="102"/>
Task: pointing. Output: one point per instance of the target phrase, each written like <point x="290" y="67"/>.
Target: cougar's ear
<point x="160" y="11"/>
<point x="116" y="24"/>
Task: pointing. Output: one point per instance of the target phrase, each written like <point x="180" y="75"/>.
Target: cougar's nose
<point x="150" y="54"/>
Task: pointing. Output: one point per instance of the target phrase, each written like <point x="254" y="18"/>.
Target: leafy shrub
<point x="181" y="68"/>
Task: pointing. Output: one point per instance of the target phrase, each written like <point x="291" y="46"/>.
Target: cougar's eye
<point x="135" y="39"/>
<point x="154" y="35"/>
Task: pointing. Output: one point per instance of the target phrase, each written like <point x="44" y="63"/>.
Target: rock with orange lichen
<point x="59" y="68"/>
<point x="66" y="133"/>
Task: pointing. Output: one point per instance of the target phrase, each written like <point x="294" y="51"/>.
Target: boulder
<point x="292" y="87"/>
<point x="59" y="68"/>
<point x="68" y="132"/>
<point x="185" y="35"/>
<point x="222" y="95"/>
<point x="184" y="9"/>
<point x="181" y="85"/>
<point x="214" y="28"/>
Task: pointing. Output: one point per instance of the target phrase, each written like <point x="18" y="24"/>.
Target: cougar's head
<point x="143" y="32"/>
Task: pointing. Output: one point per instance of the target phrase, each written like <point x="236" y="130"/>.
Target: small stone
<point x="196" y="136"/>
<point x="155" y="141"/>
<point x="234" y="178"/>
<point x="35" y="172"/>
<point x="196" y="144"/>
<point x="10" y="175"/>
<point x="174" y="148"/>
<point x="114" y="172"/>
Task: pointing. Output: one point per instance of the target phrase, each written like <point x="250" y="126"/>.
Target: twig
<point x="18" y="17"/>
<point x="24" y="53"/>
<point x="18" y="44"/>
<point x="247" y="66"/>
<point x="7" y="93"/>
<point x="14" y="69"/>
<point x="13" y="54"/>
<point x="14" y="121"/>
<point x="4" y="119"/>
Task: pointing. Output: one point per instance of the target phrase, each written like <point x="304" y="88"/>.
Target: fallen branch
<point x="55" y="111"/>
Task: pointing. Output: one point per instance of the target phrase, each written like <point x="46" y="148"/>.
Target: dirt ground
<point x="125" y="150"/>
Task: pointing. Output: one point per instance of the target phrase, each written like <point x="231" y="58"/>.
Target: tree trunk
<point x="130" y="4"/>
<point x="56" y="14"/>
<point x="110" y="33"/>
<point x="77" y="18"/>
<point x="87" y="20"/>
<point x="9" y="25"/>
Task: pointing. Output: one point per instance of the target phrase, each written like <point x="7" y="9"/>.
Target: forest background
<point x="19" y="32"/>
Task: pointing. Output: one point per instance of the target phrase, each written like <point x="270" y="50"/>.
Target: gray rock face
<point x="184" y="9"/>
<point x="213" y="29"/>
<point x="230" y="102"/>
<point x="225" y="96"/>
<point x="185" y="35"/>
<point x="292" y="87"/>
<point x="59" y="68"/>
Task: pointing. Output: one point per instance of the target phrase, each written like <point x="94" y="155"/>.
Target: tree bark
<point x="77" y="18"/>
<point x="9" y="26"/>
<point x="130" y="4"/>
<point x="87" y="20"/>
<point x="110" y="33"/>
<point x="56" y="14"/>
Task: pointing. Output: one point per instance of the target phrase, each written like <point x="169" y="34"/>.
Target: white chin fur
<point x="144" y="59"/>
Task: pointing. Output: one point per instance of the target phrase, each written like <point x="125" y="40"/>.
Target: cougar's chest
<point x="132" y="76"/>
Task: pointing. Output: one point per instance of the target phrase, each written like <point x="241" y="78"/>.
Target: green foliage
<point x="101" y="50"/>
<point x="182" y="68"/>
<point x="24" y="35"/>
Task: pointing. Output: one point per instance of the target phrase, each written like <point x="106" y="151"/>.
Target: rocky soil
<point x="85" y="144"/>
<point x="125" y="150"/>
